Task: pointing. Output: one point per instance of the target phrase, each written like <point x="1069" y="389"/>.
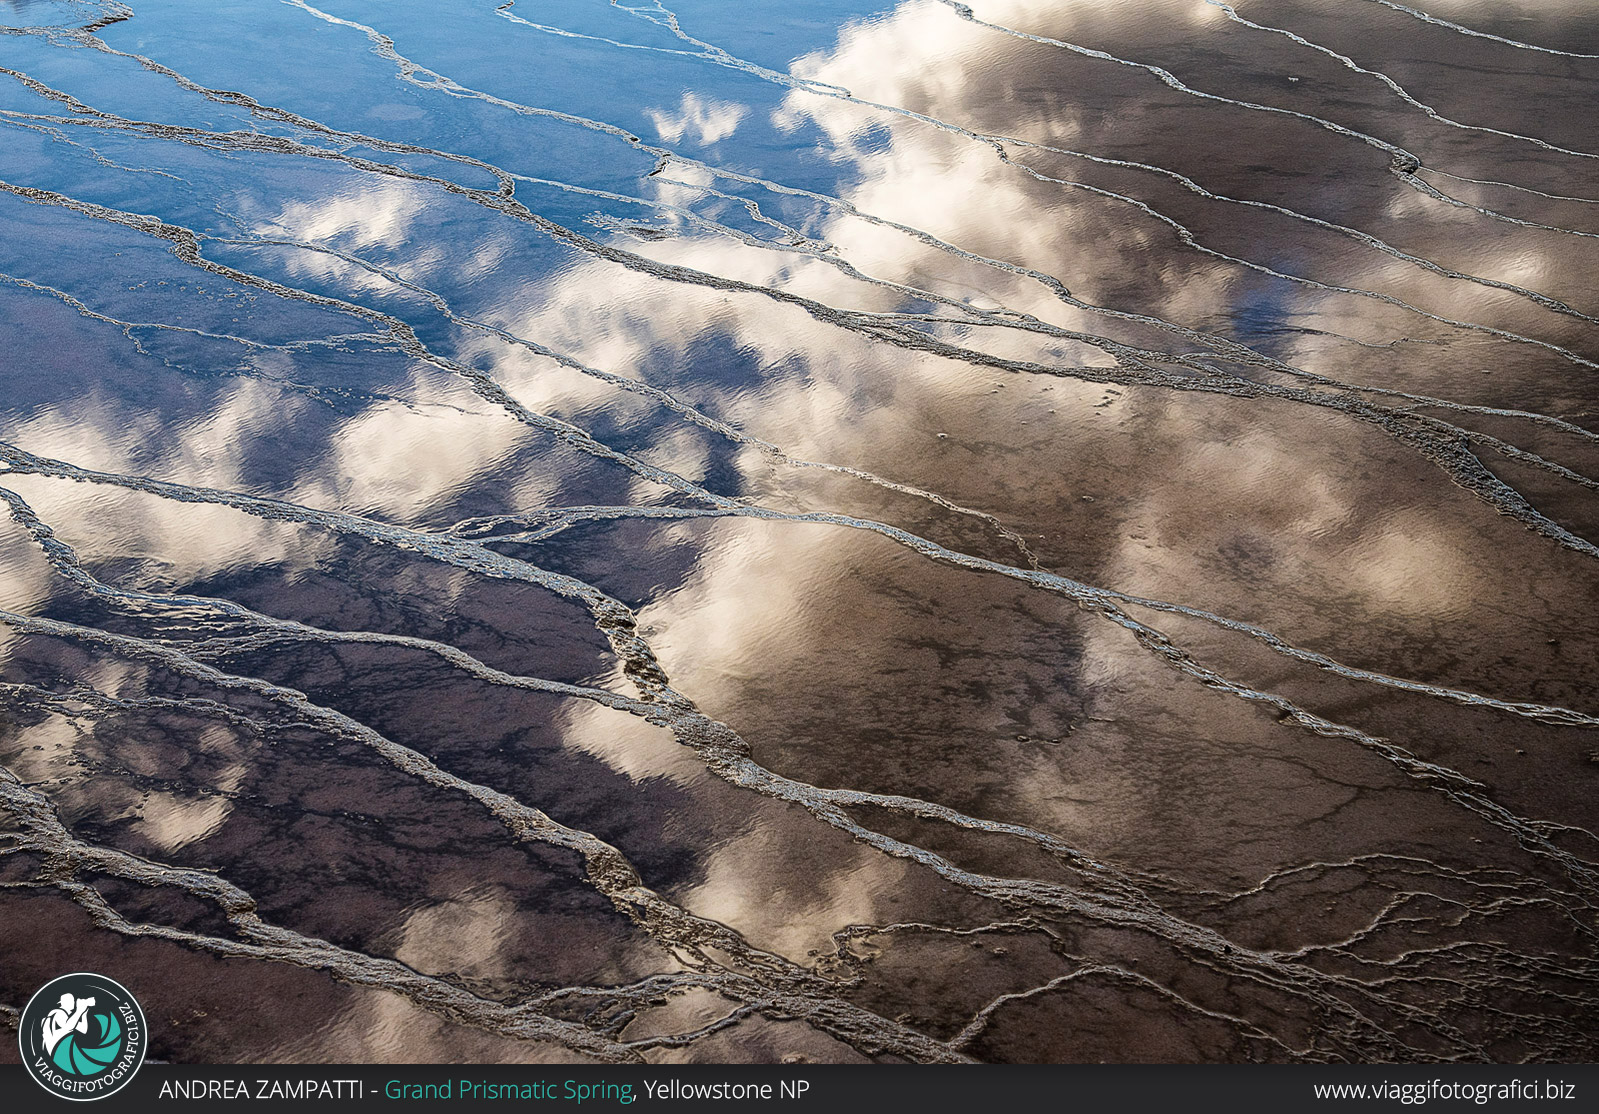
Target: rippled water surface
<point x="1039" y="531"/>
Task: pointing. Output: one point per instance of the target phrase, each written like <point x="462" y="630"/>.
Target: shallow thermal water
<point x="1038" y="531"/>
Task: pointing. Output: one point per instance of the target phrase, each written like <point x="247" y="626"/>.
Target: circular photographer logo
<point x="82" y="1036"/>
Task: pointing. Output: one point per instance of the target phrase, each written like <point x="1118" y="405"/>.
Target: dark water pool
<point x="1037" y="531"/>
